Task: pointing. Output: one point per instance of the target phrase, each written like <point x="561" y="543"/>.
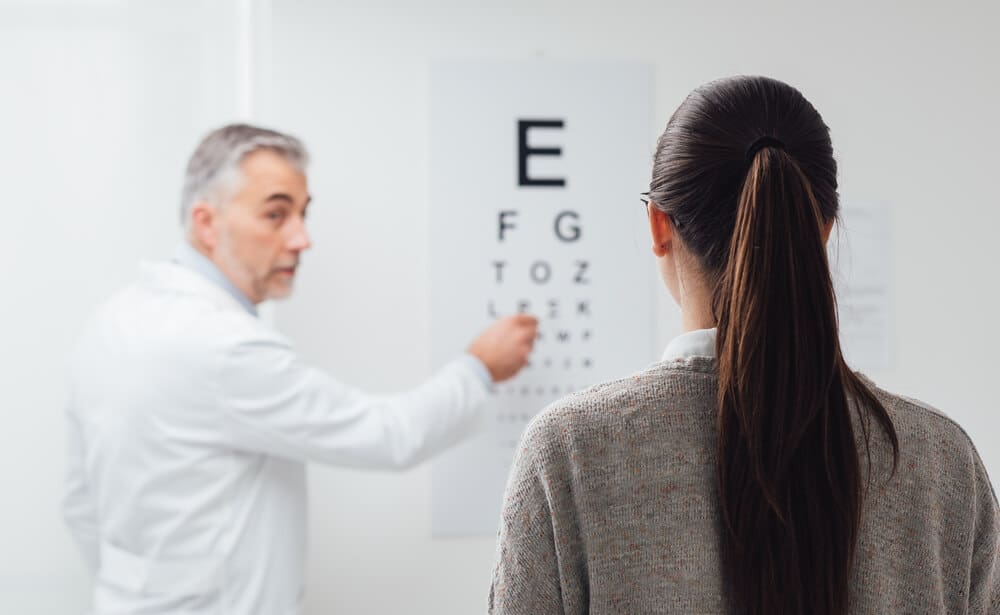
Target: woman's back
<point x="613" y="507"/>
<point x="754" y="472"/>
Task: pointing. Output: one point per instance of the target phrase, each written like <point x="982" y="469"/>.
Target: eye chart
<point x="535" y="174"/>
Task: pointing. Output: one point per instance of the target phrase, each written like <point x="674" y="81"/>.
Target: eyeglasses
<point x="644" y="197"/>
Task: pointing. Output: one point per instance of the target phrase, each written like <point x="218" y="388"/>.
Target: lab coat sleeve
<point x="273" y="402"/>
<point x="79" y="508"/>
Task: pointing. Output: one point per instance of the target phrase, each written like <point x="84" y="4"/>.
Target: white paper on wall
<point x="536" y="170"/>
<point x="860" y="259"/>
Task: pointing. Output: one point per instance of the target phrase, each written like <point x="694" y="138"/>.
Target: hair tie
<point x="760" y="144"/>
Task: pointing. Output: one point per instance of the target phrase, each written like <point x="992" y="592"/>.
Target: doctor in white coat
<point x="190" y="421"/>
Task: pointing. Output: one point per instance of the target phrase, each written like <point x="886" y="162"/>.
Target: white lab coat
<point x="189" y="425"/>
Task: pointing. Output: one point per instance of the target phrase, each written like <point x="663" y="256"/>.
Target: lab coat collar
<point x="170" y="276"/>
<point x="189" y="257"/>
<point x="697" y="343"/>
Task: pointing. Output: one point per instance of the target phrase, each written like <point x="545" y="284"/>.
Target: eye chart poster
<point x="536" y="169"/>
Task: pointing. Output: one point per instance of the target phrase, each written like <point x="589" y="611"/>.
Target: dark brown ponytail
<point x="746" y="170"/>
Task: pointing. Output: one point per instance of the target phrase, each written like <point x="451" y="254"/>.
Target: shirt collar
<point x="187" y="256"/>
<point x="697" y="343"/>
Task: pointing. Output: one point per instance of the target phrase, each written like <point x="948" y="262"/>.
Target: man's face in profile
<point x="260" y="232"/>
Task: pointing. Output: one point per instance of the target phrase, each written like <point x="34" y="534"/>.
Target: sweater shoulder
<point x="683" y="382"/>
<point x="926" y="431"/>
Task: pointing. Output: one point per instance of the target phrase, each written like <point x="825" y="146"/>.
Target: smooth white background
<point x="102" y="102"/>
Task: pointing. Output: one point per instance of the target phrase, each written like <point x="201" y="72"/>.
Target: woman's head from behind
<point x="742" y="199"/>
<point x="703" y="160"/>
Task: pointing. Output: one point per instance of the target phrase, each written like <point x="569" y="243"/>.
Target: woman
<point x="751" y="471"/>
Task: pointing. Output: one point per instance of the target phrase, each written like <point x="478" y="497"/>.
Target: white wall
<point x="101" y="104"/>
<point x="104" y="101"/>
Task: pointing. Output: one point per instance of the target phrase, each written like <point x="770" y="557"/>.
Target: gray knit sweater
<point x="611" y="508"/>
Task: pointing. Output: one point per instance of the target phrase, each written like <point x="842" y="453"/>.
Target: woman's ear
<point x="826" y="230"/>
<point x="661" y="228"/>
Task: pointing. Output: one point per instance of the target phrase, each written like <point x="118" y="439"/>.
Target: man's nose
<point x="299" y="240"/>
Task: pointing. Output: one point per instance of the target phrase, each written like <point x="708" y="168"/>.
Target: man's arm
<point x="78" y="507"/>
<point x="272" y="402"/>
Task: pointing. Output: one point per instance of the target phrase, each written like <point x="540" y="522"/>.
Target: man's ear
<point x="203" y="225"/>
<point x="662" y="231"/>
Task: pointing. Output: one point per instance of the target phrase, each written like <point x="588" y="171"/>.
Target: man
<point x="190" y="421"/>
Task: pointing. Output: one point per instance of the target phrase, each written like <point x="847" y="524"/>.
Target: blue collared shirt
<point x="189" y="257"/>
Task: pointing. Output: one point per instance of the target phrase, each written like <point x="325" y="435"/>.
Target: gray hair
<point x="215" y="163"/>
